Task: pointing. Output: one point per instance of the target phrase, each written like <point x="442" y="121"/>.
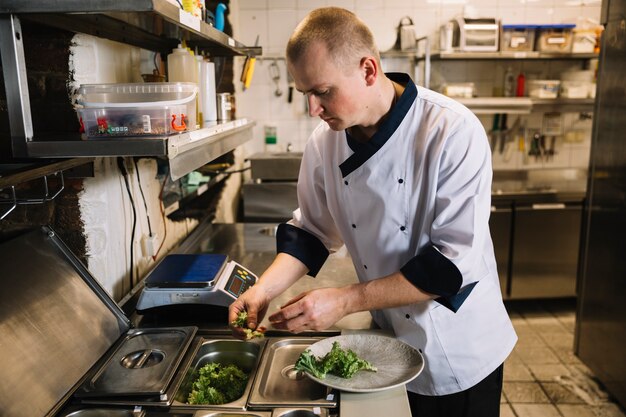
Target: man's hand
<point x="312" y="310"/>
<point x="255" y="302"/>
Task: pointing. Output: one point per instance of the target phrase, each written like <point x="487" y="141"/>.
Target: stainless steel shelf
<point x="492" y="105"/>
<point x="564" y="104"/>
<point x="185" y="151"/>
<point x="156" y="25"/>
<point x="504" y="55"/>
<point x="152" y="24"/>
<point x="524" y="105"/>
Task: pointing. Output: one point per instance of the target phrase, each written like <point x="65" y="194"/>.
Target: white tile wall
<point x="274" y="20"/>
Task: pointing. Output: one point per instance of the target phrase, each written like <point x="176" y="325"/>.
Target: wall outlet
<point x="149" y="245"/>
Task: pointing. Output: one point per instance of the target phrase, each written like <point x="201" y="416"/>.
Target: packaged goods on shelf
<point x="137" y="109"/>
<point x="518" y="37"/>
<point x="555" y="38"/>
<point x="577" y="84"/>
<point x="543" y="88"/>
<point x="459" y="90"/>
<point x="584" y="41"/>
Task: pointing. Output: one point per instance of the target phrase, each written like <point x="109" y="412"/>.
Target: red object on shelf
<point x="521" y="85"/>
<point x="182" y="126"/>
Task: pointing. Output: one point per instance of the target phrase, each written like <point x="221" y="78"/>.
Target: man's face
<point x="334" y="94"/>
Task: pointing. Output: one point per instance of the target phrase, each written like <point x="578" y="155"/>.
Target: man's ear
<point x="370" y="69"/>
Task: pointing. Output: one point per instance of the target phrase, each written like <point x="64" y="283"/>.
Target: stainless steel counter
<point x="254" y="245"/>
<point x="542" y="185"/>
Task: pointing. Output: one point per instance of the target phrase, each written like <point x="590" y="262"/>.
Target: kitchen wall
<point x="274" y="20"/>
<point x="105" y="207"/>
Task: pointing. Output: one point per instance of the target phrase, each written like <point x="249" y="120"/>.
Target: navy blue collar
<point x="365" y="150"/>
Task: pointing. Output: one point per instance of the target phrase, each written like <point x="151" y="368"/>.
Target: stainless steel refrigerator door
<point x="500" y="227"/>
<point x="545" y="250"/>
<point x="601" y="316"/>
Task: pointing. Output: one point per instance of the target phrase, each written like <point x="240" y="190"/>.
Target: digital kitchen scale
<point x="195" y="279"/>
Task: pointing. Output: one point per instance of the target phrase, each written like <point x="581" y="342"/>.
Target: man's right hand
<point x="255" y="302"/>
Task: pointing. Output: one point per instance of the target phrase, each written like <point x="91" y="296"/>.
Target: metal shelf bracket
<point x="15" y="83"/>
<point x="12" y="202"/>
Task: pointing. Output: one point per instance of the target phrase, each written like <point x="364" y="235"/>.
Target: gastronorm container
<point x="105" y="412"/>
<point x="278" y="384"/>
<point x="245" y="355"/>
<point x="213" y="413"/>
<point x="518" y="37"/>
<point x="459" y="90"/>
<point x="136" y="109"/>
<point x="555" y="38"/>
<point x="543" y="88"/>
<point x="300" y="412"/>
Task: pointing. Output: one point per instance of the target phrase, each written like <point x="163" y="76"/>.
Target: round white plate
<point x="397" y="362"/>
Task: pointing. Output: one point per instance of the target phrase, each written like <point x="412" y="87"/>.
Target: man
<point x="402" y="176"/>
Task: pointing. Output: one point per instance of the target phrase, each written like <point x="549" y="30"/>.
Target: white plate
<point x="397" y="362"/>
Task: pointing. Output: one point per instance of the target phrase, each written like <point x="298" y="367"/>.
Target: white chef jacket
<point x="421" y="185"/>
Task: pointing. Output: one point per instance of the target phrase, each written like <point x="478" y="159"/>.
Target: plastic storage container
<point x="584" y="41"/>
<point x="518" y="37"/>
<point x="543" y="88"/>
<point x="577" y="84"/>
<point x="555" y="38"/>
<point x="459" y="90"/>
<point x="141" y="109"/>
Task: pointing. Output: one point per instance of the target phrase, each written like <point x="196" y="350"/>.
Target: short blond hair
<point x="345" y="36"/>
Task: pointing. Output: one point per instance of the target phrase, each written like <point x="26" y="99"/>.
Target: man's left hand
<point x="312" y="310"/>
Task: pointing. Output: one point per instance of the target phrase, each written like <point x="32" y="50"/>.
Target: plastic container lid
<point x="562" y="26"/>
<point x="136" y="94"/>
<point x="520" y="27"/>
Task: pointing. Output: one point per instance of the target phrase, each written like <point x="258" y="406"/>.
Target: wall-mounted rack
<point x="156" y="25"/>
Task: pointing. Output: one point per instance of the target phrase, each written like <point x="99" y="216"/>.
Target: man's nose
<point x="314" y="105"/>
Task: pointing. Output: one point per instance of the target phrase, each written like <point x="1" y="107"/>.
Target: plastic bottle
<point x="521" y="85"/>
<point x="219" y="16"/>
<point x="271" y="145"/>
<point x="181" y="66"/>
<point x="207" y="86"/>
<point x="509" y="83"/>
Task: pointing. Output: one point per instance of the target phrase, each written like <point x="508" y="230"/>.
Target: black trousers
<point x="481" y="400"/>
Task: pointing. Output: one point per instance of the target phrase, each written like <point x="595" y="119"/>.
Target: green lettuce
<point x="339" y="362"/>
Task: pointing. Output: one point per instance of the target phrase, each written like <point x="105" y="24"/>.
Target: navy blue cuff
<point x="301" y="245"/>
<point x="433" y="273"/>
<point x="456" y="301"/>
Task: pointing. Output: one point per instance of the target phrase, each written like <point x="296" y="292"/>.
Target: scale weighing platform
<point x="195" y="279"/>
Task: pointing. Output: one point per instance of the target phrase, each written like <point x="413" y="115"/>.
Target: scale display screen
<point x="186" y="271"/>
<point x="239" y="281"/>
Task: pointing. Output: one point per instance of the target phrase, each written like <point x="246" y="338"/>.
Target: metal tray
<point x="278" y="384"/>
<point x="143" y="364"/>
<point x="246" y="355"/>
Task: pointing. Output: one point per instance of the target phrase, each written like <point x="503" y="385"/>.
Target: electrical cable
<point x="145" y="205"/>
<point x="154" y="258"/>
<point x="124" y="171"/>
<point x="154" y="61"/>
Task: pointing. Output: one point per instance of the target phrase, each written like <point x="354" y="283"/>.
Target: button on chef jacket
<point x="416" y="198"/>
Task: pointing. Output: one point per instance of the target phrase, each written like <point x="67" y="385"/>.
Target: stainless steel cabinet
<point x="546" y="240"/>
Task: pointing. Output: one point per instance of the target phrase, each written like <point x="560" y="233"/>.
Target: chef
<point x="401" y="176"/>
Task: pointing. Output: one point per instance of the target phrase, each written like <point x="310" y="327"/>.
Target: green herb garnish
<point x="340" y="362"/>
<point x="241" y="322"/>
<point x="217" y="384"/>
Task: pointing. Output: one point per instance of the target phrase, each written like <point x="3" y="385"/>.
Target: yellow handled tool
<point x="248" y="71"/>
